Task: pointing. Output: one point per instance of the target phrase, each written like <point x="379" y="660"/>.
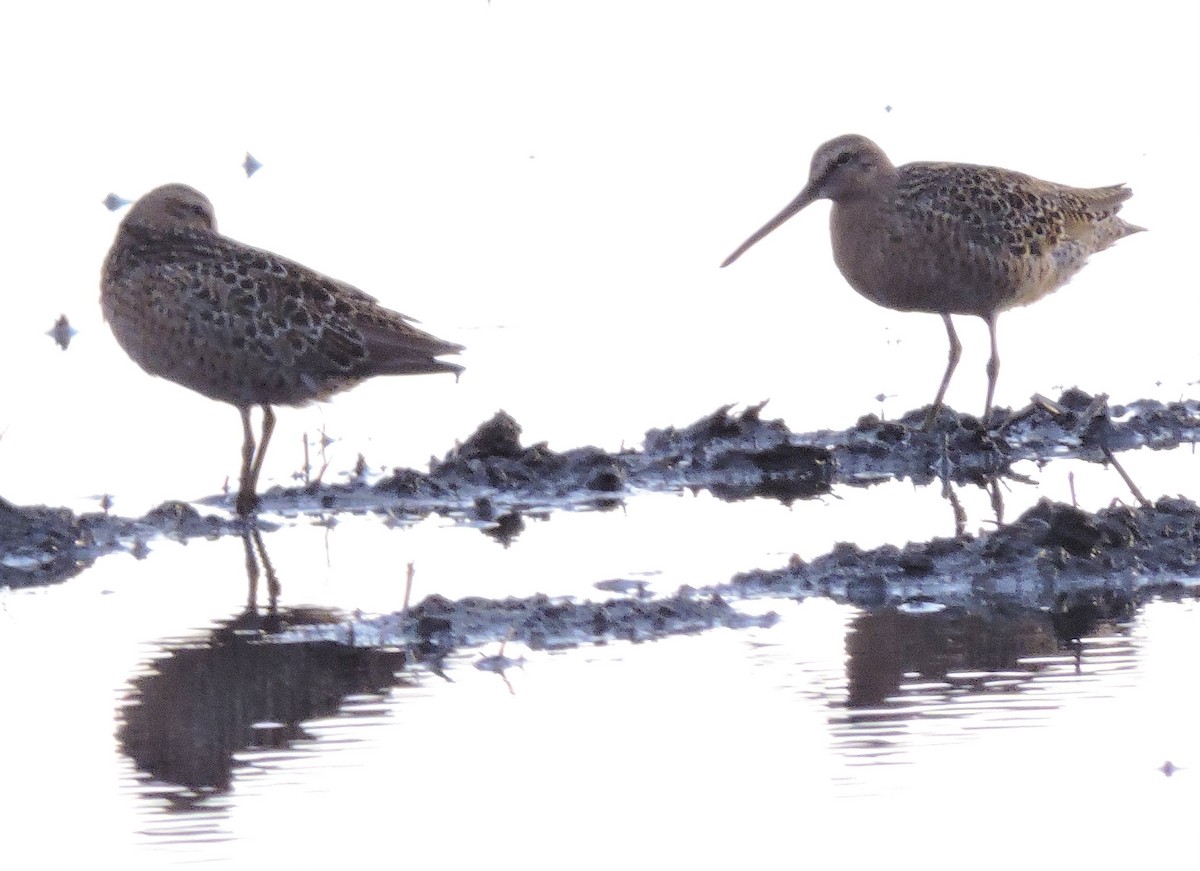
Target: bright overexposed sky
<point x="553" y="185"/>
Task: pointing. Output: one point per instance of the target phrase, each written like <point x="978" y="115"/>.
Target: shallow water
<point x="834" y="738"/>
<point x="553" y="186"/>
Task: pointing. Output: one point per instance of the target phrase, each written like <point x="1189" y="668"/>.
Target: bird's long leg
<point x="252" y="459"/>
<point x="993" y="364"/>
<point x="955" y="353"/>
<point x="268" y="427"/>
<point x="245" y="497"/>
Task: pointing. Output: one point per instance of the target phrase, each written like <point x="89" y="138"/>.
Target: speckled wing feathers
<point x="246" y="326"/>
<point x="1001" y="209"/>
<point x="1009" y="229"/>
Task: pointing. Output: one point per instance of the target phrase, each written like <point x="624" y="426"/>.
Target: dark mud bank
<point x="740" y="456"/>
<point x="491" y="479"/>
<point x="1068" y="566"/>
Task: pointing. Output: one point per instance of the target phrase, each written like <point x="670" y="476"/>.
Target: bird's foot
<point x="247" y="503"/>
<point x="932" y="417"/>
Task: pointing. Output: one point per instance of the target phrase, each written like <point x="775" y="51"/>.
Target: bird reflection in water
<point x="500" y="664"/>
<point x="1080" y="614"/>
<point x="205" y="700"/>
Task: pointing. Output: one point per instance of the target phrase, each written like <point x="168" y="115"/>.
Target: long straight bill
<point x="803" y="199"/>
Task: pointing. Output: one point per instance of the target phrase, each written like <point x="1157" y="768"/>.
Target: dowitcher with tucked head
<point x="952" y="238"/>
<point x="245" y="326"/>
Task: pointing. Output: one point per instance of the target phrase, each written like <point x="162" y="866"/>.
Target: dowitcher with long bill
<point x="246" y="326"/>
<point x="952" y="238"/>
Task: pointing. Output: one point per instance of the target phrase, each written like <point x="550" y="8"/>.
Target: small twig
<point x="1137" y="494"/>
<point x="408" y="584"/>
<point x="325" y="442"/>
<point x="997" y="500"/>
<point x="960" y="516"/>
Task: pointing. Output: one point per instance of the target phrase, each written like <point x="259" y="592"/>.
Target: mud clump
<point x="39" y="545"/>
<point x="438" y="626"/>
<point x="492" y="458"/>
<point x="1050" y="550"/>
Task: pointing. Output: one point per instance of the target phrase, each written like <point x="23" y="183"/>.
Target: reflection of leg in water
<point x="255" y="552"/>
<point x="1073" y="617"/>
<point x="954" y="468"/>
<point x="946" y="469"/>
<point x="500" y="663"/>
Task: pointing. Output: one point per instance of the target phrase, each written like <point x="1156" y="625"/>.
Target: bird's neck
<point x="858" y="229"/>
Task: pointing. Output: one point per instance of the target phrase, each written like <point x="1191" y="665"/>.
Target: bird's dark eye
<point x="844" y="158"/>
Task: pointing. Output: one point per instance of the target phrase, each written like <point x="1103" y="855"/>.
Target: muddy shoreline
<point x="1053" y="557"/>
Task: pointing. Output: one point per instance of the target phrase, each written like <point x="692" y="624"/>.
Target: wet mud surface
<point x="1066" y="565"/>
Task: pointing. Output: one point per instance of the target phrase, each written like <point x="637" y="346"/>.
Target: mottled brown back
<point x="242" y="325"/>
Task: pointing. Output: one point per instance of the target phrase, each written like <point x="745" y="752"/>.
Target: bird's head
<point x="171" y="207"/>
<point x="843" y="169"/>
